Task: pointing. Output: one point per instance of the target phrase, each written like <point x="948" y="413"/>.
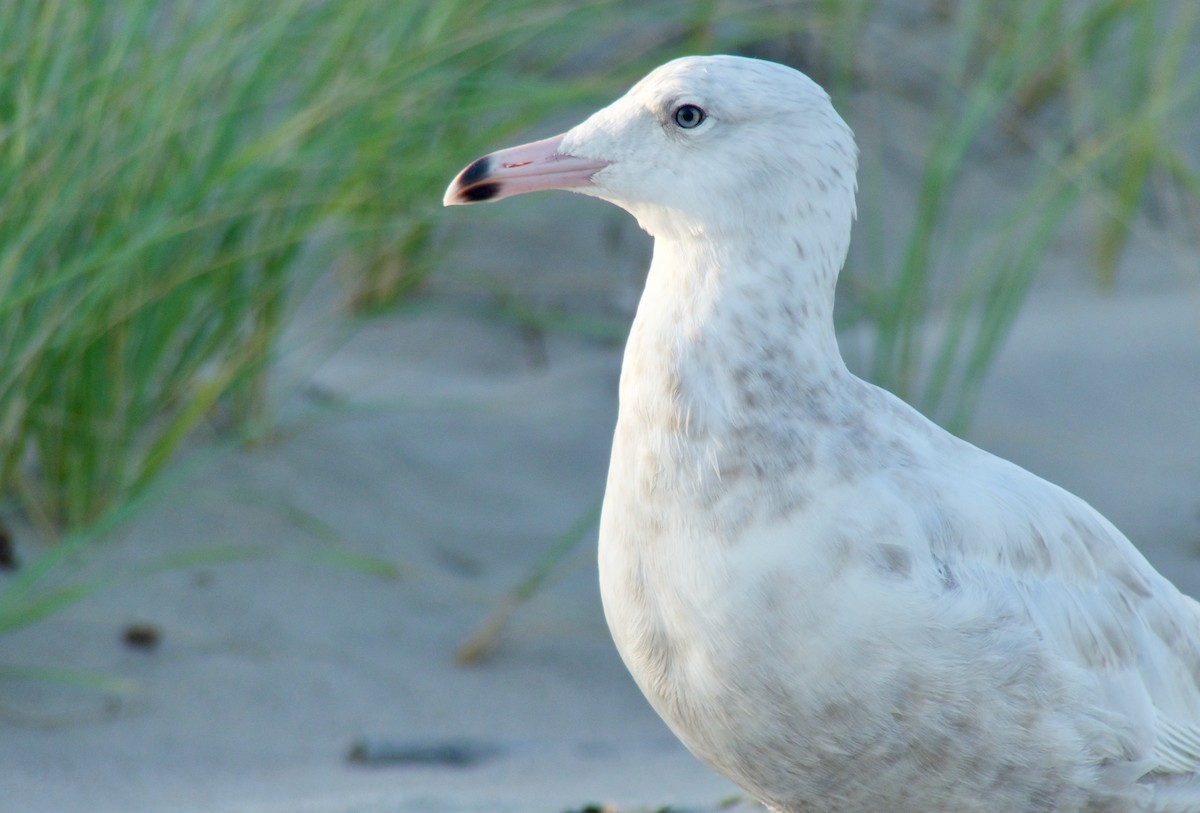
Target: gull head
<point x="712" y="145"/>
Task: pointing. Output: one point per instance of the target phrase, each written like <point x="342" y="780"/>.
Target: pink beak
<point x="528" y="168"/>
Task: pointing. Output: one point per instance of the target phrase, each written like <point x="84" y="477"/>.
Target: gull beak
<point x="528" y="168"/>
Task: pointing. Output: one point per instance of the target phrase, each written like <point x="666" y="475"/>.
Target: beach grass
<point x="157" y="196"/>
<point x="171" y="173"/>
<point x="1091" y="97"/>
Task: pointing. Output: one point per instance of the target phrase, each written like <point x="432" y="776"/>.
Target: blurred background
<point x="239" y="337"/>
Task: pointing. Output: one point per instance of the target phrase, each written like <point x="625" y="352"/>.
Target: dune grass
<point x="170" y="170"/>
<point x="172" y="173"/>
<point x="1094" y="118"/>
<point x="157" y="196"/>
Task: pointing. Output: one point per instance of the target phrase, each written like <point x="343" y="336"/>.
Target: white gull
<point x="828" y="598"/>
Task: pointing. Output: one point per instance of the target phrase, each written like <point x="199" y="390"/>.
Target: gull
<point x="829" y="599"/>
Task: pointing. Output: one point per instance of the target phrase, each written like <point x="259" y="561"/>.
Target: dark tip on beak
<point x="476" y="172"/>
<point x="484" y="191"/>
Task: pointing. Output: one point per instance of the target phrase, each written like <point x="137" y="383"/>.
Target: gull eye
<point x="688" y="116"/>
